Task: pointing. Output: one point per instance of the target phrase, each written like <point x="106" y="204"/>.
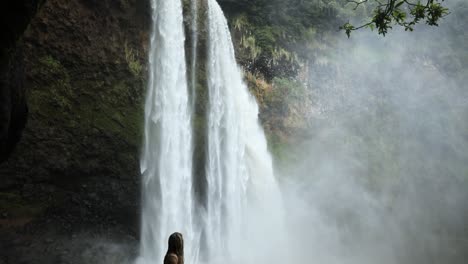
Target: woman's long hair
<point x="176" y="247"/>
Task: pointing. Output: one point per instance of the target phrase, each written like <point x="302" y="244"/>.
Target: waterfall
<point x="166" y="164"/>
<point x="241" y="183"/>
<point x="242" y="205"/>
<point x="194" y="13"/>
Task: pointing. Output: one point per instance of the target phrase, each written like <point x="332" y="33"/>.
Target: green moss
<point x="58" y="83"/>
<point x="50" y="63"/>
<point x="124" y="122"/>
<point x="134" y="65"/>
<point x="86" y="105"/>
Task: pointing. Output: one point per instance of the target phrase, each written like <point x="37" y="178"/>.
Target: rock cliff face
<point x="14" y="18"/>
<point x="83" y="74"/>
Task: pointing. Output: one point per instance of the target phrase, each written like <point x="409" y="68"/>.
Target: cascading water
<point x="167" y="155"/>
<point x="194" y="13"/>
<point x="242" y="190"/>
<point x="243" y="204"/>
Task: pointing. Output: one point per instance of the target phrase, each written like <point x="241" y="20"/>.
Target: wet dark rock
<point x="75" y="171"/>
<point x="15" y="16"/>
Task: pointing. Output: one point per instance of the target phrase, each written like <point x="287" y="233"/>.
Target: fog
<point x="383" y="171"/>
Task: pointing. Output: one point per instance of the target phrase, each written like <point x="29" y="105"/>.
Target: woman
<point x="175" y="251"/>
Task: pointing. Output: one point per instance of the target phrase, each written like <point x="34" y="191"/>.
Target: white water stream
<point x="243" y="201"/>
<point x="241" y="183"/>
<point x="166" y="165"/>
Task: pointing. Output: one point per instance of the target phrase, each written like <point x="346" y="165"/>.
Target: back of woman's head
<point x="176" y="245"/>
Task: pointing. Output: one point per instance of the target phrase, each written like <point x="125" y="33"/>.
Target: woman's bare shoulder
<point x="171" y="259"/>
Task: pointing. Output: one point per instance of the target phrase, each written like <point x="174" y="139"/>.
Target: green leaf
<point x="399" y="4"/>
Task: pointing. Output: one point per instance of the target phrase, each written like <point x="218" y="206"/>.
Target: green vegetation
<point x="275" y="36"/>
<point x="59" y="91"/>
<point x="284" y="94"/>
<point x="85" y="105"/>
<point x="272" y="34"/>
<point x="134" y="65"/>
<point x="404" y="13"/>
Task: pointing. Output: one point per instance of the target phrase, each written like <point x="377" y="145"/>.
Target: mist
<point x="382" y="173"/>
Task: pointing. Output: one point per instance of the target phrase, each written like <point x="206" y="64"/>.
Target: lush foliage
<point x="284" y="94"/>
<point x="275" y="36"/>
<point x="404" y="13"/>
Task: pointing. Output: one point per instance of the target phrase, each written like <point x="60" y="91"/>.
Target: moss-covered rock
<point x="85" y="65"/>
